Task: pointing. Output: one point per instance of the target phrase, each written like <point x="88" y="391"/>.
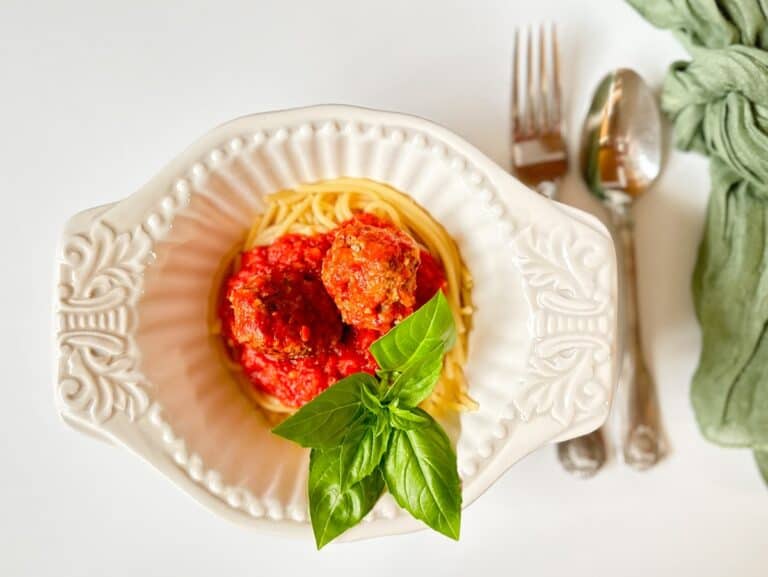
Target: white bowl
<point x="135" y="365"/>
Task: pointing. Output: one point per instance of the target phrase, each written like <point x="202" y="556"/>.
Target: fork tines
<point x="536" y="100"/>
<point x="539" y="151"/>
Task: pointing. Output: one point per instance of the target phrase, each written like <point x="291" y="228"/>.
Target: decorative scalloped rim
<point x="159" y="221"/>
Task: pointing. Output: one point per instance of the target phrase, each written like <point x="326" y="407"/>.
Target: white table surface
<point x="96" y="96"/>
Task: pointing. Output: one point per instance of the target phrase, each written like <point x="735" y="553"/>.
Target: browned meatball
<point x="282" y="313"/>
<point x="370" y="271"/>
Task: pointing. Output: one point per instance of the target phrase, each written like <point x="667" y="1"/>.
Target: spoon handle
<point x="644" y="442"/>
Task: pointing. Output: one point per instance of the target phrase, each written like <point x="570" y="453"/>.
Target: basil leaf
<point x="357" y="456"/>
<point x="420" y="472"/>
<point x="334" y="414"/>
<point x="407" y="419"/>
<point x="416" y="383"/>
<point x="416" y="335"/>
<point x="333" y="509"/>
<point x="359" y="459"/>
<point x="415" y="348"/>
<point x="370" y="400"/>
<point x="382" y="424"/>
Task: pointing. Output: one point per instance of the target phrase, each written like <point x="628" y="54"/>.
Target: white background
<point x="97" y="96"/>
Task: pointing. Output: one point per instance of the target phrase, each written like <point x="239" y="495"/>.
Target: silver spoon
<point x="621" y="159"/>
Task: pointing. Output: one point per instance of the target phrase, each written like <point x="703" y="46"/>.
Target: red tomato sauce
<point x="290" y="333"/>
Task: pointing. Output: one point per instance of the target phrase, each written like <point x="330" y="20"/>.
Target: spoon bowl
<point x="622" y="140"/>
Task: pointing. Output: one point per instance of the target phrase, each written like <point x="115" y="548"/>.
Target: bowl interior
<point x="200" y="399"/>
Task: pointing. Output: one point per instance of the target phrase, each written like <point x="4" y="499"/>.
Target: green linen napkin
<point x="718" y="103"/>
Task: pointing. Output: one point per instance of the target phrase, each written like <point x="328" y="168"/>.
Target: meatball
<point x="370" y="271"/>
<point x="283" y="313"/>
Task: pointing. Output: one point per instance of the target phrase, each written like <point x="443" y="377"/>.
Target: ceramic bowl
<point x="136" y="365"/>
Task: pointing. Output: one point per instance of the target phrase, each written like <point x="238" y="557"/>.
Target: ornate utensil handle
<point x="644" y="441"/>
<point x="583" y="456"/>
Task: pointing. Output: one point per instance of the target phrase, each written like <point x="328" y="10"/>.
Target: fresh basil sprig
<point x="333" y="508"/>
<point x="411" y="354"/>
<point x="420" y="472"/>
<point x="366" y="432"/>
<point x="336" y="414"/>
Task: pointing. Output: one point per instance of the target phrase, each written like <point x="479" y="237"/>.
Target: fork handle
<point x="548" y="188"/>
<point x="644" y="441"/>
<point x="583" y="456"/>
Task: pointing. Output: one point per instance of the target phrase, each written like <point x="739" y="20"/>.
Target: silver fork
<point x="540" y="159"/>
<point x="539" y="154"/>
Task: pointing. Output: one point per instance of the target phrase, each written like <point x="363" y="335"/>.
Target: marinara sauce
<point x="301" y="313"/>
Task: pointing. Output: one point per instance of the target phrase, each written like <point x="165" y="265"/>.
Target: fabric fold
<point x="718" y="103"/>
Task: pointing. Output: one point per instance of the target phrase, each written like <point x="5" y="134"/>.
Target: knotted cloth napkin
<point x="718" y="103"/>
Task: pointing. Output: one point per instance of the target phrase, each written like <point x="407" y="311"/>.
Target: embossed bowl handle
<point x="100" y="276"/>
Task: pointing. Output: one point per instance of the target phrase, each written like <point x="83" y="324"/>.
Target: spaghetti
<point x="318" y="208"/>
